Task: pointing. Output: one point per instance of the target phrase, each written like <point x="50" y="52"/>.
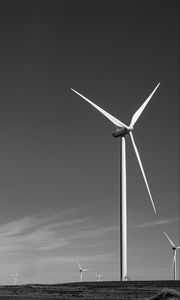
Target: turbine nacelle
<point x="119" y="132"/>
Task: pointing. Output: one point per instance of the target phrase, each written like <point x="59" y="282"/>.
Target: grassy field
<point x="88" y="290"/>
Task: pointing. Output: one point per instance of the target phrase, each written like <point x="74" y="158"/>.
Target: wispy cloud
<point x="157" y="222"/>
<point x="36" y="234"/>
<point x="47" y="243"/>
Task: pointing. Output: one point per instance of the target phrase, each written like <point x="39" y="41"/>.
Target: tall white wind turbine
<point x="15" y="276"/>
<point x="121" y="131"/>
<point x="81" y="270"/>
<point x="174" y="248"/>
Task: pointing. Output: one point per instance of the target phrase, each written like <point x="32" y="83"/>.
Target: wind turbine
<point x="98" y="277"/>
<point x="174" y="248"/>
<point x="121" y="132"/>
<point x="81" y="270"/>
<point x="15" y="275"/>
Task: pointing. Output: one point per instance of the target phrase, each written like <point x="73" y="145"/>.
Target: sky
<point x="59" y="175"/>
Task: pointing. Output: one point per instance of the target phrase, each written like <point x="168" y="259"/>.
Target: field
<point x="139" y="290"/>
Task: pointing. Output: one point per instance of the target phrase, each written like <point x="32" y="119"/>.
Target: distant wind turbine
<point x="98" y="277"/>
<point x="81" y="270"/>
<point x="121" y="132"/>
<point x="15" y="275"/>
<point x="174" y="248"/>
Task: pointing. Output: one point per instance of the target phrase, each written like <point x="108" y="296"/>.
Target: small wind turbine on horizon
<point x="121" y="132"/>
<point x="15" y="276"/>
<point x="98" y="277"/>
<point x="81" y="270"/>
<point x="174" y="248"/>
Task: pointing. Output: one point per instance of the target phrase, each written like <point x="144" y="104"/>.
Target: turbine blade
<point x="169" y="239"/>
<point x="85" y="270"/>
<point x="105" y="113"/>
<point x="142" y="169"/>
<point x="178" y="247"/>
<point x="137" y="114"/>
<point x="80" y="268"/>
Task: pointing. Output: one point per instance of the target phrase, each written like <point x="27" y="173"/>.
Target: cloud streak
<point x="45" y="243"/>
<point x="37" y="235"/>
<point x="157" y="223"/>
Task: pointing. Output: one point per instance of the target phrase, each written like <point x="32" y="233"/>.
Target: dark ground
<point x="88" y="290"/>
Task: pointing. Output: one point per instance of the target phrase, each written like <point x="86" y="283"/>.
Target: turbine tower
<point x="174" y="248"/>
<point x="81" y="270"/>
<point x="121" y="131"/>
<point x="15" y="275"/>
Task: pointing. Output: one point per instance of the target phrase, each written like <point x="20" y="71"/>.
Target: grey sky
<point x="59" y="163"/>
